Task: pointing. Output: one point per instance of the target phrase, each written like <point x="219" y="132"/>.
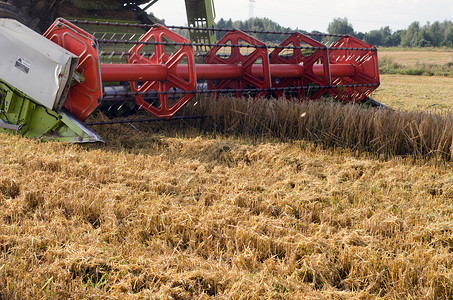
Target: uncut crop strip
<point x="380" y="131"/>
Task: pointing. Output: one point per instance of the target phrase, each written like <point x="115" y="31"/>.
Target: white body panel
<point x="34" y="65"/>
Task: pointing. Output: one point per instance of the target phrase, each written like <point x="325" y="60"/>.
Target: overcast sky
<point x="317" y="14"/>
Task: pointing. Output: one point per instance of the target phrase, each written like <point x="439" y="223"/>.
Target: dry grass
<point x="383" y="132"/>
<point x="416" y="61"/>
<point x="263" y="200"/>
<point x="410" y="57"/>
<point x="155" y="216"/>
<point x="416" y="92"/>
<point x="165" y="213"/>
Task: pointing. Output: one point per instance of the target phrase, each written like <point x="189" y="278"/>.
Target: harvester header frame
<point x="162" y="72"/>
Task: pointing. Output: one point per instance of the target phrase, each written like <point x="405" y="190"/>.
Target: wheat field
<point x="415" y="56"/>
<point x="241" y="205"/>
<point x="421" y="93"/>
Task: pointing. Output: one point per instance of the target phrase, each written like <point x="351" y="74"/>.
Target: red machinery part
<point x="172" y="60"/>
<point x="146" y="72"/>
<point x="84" y="96"/>
<point x="347" y="71"/>
<point x="258" y="58"/>
<point x="314" y="59"/>
<point x="363" y="56"/>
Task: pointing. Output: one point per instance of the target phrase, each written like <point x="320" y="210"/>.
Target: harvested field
<point x="182" y="211"/>
<point x="427" y="93"/>
<point x="416" y="61"/>
<point x="415" y="56"/>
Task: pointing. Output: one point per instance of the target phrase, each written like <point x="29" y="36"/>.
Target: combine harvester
<point x="51" y="83"/>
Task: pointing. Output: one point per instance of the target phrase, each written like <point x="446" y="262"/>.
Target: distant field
<point x="399" y="91"/>
<point x="415" y="92"/>
<point x="413" y="56"/>
<point x="416" y="61"/>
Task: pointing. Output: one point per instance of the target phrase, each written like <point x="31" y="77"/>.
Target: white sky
<point x="317" y="14"/>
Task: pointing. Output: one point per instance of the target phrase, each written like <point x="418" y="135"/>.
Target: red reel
<point x="365" y="61"/>
<point x="307" y="58"/>
<point x="86" y="94"/>
<point x="178" y="52"/>
<point x="250" y="57"/>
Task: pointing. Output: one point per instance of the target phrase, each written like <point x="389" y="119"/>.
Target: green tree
<point x="448" y="35"/>
<point x="411" y="37"/>
<point x="436" y="34"/>
<point x="374" y="37"/>
<point x="257" y="24"/>
<point x="222" y="24"/>
<point x="394" y="39"/>
<point x="381" y="37"/>
<point x="340" y="26"/>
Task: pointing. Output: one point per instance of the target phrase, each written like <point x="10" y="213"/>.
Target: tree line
<point x="437" y="34"/>
<point x="258" y="24"/>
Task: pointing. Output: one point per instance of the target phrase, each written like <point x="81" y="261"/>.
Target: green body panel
<point x="201" y="13"/>
<point x="21" y="115"/>
<point x="39" y="14"/>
